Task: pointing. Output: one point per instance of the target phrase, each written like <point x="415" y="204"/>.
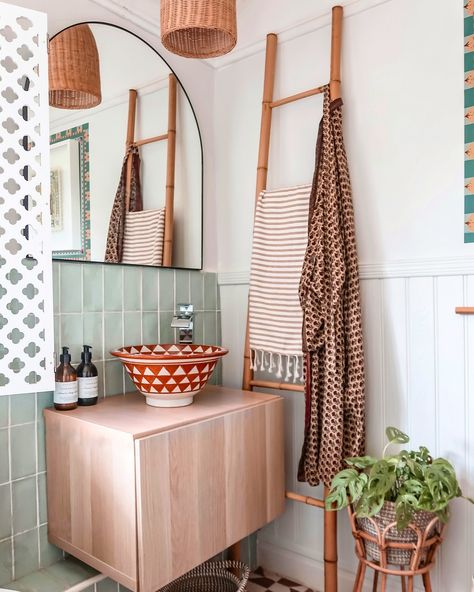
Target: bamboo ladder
<point x="170" y="161"/>
<point x="249" y="382"/>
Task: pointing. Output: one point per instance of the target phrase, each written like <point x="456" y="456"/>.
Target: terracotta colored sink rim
<point x="168" y="351"/>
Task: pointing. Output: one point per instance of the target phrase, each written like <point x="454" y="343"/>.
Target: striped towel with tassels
<point x="143" y="237"/>
<point x="275" y="315"/>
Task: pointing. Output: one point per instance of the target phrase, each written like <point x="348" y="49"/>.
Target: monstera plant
<point x="411" y="481"/>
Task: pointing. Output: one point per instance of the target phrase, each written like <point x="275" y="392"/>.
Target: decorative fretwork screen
<point x="26" y="319"/>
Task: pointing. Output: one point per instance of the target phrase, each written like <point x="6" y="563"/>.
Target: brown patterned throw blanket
<point x="329" y="296"/>
<point x="114" y="247"/>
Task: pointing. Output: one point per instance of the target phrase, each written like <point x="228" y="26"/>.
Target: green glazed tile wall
<point x="105" y="306"/>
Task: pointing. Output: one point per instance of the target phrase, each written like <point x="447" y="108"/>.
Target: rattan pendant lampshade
<point x="74" y="72"/>
<point x="198" y="28"/>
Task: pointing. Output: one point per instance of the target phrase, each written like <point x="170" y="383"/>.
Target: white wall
<point x="403" y="118"/>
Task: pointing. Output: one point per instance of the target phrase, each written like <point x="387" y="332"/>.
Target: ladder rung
<point x="297" y="97"/>
<point x="282" y="386"/>
<point x="150" y="140"/>
<point x="305" y="499"/>
<point x="464" y="309"/>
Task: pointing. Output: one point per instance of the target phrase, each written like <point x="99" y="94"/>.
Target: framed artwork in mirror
<point x="70" y="194"/>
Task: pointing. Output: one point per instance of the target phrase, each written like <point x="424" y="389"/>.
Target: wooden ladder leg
<point x="330" y="549"/>
<point x="132" y="110"/>
<point x="427" y="581"/>
<point x="170" y="174"/>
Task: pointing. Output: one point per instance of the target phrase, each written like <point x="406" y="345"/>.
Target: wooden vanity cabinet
<point x="145" y="494"/>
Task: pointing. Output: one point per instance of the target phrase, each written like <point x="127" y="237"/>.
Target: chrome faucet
<point x="183" y="320"/>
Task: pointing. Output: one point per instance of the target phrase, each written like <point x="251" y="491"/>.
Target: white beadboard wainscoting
<point x="420" y="378"/>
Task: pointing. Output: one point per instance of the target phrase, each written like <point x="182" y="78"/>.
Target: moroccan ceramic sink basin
<point x="170" y="375"/>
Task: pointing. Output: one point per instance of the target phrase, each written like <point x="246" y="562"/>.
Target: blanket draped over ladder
<point x="275" y="316"/>
<point x="330" y="299"/>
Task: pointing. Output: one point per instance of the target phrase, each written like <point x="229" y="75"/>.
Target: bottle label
<point x="88" y="387"/>
<point x="66" y="392"/>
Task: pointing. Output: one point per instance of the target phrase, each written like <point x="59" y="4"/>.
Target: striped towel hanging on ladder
<point x="275" y="315"/>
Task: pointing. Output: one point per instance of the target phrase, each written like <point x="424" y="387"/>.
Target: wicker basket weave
<point x="74" y="71"/>
<point x="198" y="28"/>
<point x="377" y="524"/>
<point x="213" y="576"/>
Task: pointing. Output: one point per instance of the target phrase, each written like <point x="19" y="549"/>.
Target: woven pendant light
<point x="74" y="72"/>
<point x="198" y="28"/>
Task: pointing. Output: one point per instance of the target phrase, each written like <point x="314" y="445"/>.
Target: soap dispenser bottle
<point x="88" y="380"/>
<point x="65" y="390"/>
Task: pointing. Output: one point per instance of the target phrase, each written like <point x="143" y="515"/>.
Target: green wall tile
<point x="42" y="500"/>
<point x="210" y="291"/>
<point x="123" y="589"/>
<point x="49" y="554"/>
<point x="4" y="447"/>
<point x="43" y="401"/>
<point x="210" y="328"/>
<point x="113" y="326"/>
<point x="113" y="378"/>
<point x="56" y="287"/>
<point x="469" y="133"/>
<point x="167" y="290"/>
<point x="40" y="436"/>
<point x="150" y="288"/>
<point x="24" y="504"/>
<point x="93" y="333"/>
<point x="167" y="334"/>
<point x="132" y="328"/>
<point x="5" y="562"/>
<point x="93" y="288"/>
<point x="107" y="585"/>
<point x="150" y="327"/>
<point x="26" y="553"/>
<point x="72" y="335"/>
<point x="71" y="572"/>
<point x="197" y="290"/>
<point x="132" y="288"/>
<point x="468" y="26"/>
<point x="22" y="408"/>
<point x="4" y="404"/>
<point x="198" y="328"/>
<point x="71" y="287"/>
<point x="113" y="287"/>
<point x="5" y="512"/>
<point x="468" y="61"/>
<point x="23" y="453"/>
<point x="182" y="289"/>
<point x="40" y="581"/>
<point x="468" y="169"/>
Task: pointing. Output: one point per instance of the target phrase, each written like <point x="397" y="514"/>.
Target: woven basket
<point x="74" y="71"/>
<point x="198" y="28"/>
<point x="376" y="525"/>
<point x="213" y="576"/>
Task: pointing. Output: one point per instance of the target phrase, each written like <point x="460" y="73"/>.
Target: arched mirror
<point x="126" y="154"/>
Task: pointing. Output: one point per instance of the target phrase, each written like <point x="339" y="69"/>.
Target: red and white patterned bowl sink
<point x="170" y="375"/>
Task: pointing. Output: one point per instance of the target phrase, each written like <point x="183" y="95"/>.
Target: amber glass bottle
<point x="87" y="379"/>
<point x="66" y="388"/>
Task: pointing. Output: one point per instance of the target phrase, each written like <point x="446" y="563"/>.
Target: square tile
<point x="71" y="571"/>
<point x="23" y="453"/>
<point x="6" y="563"/>
<point x="42" y="499"/>
<point x="107" y="585"/>
<point x="40" y="581"/>
<point x="182" y="288"/>
<point x="113" y="288"/>
<point x="4" y="459"/>
<point x="26" y="553"/>
<point x="72" y="335"/>
<point x="150" y="288"/>
<point x="93" y="290"/>
<point x="5" y="512"/>
<point x="24" y="505"/>
<point x="197" y="290"/>
<point x="113" y="378"/>
<point x="49" y="554"/>
<point x="41" y="444"/>
<point x="166" y="290"/>
<point x="132" y="288"/>
<point x="150" y="327"/>
<point x="70" y="287"/>
<point x="93" y="334"/>
<point x="22" y="408"/>
<point x="113" y="334"/>
<point x="132" y="333"/>
<point x="210" y="291"/>
<point x="43" y="401"/>
<point x="4" y="405"/>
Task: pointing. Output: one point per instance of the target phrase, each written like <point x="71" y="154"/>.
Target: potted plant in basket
<point x="396" y="499"/>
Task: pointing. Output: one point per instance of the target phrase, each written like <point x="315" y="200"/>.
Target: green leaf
<point x="361" y="462"/>
<point x="396" y="436"/>
<point x="404" y="509"/>
<point x="382" y="477"/>
<point x="441" y="480"/>
<point x="369" y="505"/>
<point x="341" y="486"/>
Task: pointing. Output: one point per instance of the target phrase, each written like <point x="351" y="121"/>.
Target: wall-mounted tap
<point x="183" y="320"/>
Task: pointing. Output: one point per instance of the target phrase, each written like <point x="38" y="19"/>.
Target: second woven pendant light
<point x="198" y="28"/>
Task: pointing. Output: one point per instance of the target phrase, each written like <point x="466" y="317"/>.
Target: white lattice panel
<point x="26" y="320"/>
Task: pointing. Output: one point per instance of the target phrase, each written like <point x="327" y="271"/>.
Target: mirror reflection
<point x="126" y="157"/>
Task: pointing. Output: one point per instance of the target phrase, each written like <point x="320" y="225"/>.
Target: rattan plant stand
<point x="407" y="554"/>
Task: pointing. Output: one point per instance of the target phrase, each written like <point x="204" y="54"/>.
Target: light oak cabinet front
<point x="145" y="494"/>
